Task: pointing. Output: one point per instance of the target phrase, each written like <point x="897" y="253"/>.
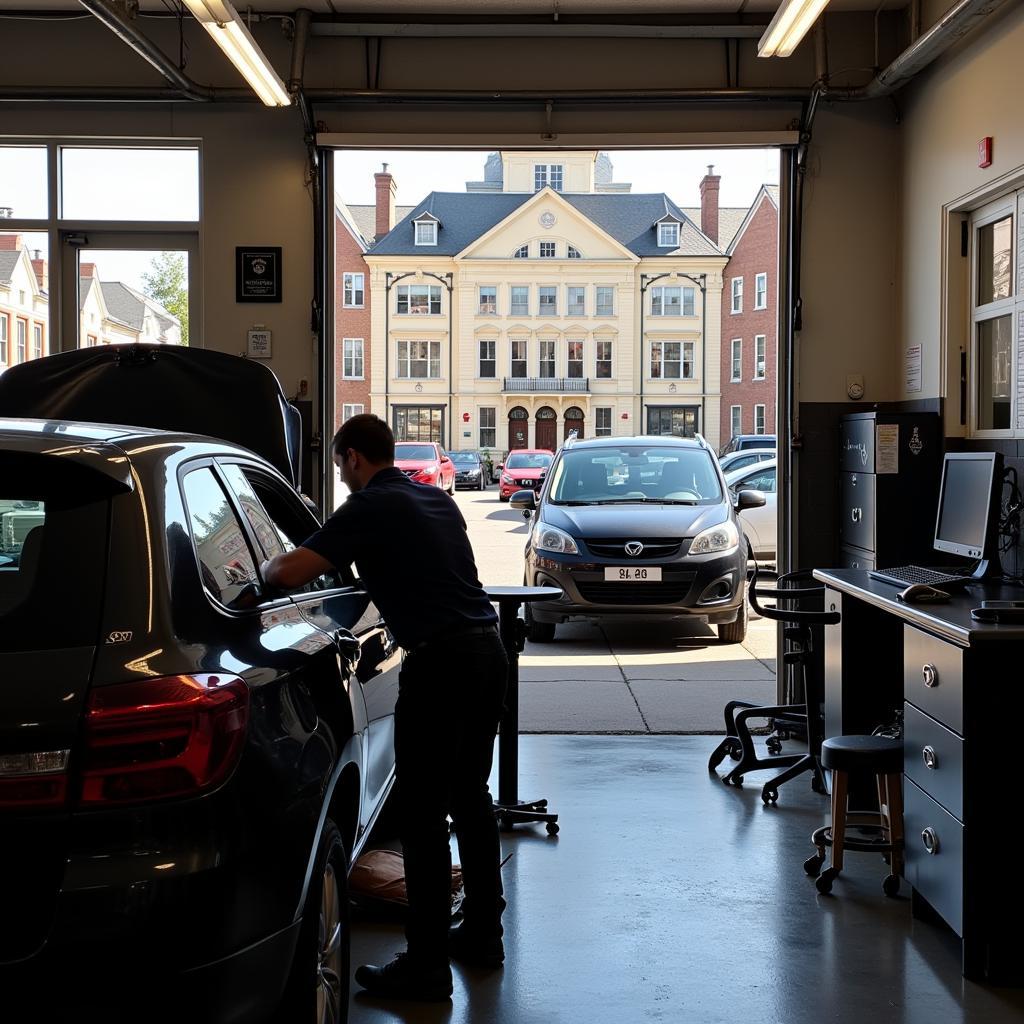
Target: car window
<point x="415" y="451"/>
<point x="226" y="563"/>
<point x="534" y="460"/>
<point x="741" y="463"/>
<point x="764" y="480"/>
<point x="271" y="540"/>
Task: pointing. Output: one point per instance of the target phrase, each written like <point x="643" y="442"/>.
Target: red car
<point x="524" y="467"/>
<point x="426" y="462"/>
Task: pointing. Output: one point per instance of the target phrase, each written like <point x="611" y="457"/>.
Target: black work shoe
<point x="405" y="979"/>
<point x="475" y="950"/>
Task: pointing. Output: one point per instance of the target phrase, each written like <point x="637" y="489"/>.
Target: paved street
<point x="666" y="678"/>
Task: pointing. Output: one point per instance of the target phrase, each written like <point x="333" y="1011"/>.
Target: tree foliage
<point x="167" y="282"/>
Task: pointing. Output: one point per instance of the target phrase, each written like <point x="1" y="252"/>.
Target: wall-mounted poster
<point x="258" y="273"/>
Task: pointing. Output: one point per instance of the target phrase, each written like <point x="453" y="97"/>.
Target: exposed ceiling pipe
<point x="298" y="68"/>
<point x="507" y="29"/>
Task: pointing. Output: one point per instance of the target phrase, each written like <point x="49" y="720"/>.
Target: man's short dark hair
<point x="367" y="434"/>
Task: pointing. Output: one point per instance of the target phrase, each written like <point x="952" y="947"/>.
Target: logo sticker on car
<point x="120" y="636"/>
<point x="634" y="548"/>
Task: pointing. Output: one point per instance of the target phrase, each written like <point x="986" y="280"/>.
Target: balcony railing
<point x="547" y="384"/>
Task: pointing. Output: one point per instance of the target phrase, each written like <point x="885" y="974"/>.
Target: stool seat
<point x="874" y="755"/>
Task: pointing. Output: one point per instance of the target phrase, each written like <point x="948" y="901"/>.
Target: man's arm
<point x="295" y="568"/>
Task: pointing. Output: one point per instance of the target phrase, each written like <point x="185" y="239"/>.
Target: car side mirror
<point x="749" y="498"/>
<point x="444" y="458"/>
<point x="524" y="499"/>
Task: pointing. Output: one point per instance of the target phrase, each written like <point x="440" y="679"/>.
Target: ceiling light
<point x="228" y="31"/>
<point x="791" y="23"/>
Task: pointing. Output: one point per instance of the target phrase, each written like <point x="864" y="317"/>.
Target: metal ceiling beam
<point x="497" y="28"/>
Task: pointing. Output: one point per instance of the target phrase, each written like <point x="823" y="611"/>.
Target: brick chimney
<point x="709" y="203"/>
<point x="39" y="266"/>
<point x="386" y="190"/>
<point x="10" y="243"/>
<point x="86" y="269"/>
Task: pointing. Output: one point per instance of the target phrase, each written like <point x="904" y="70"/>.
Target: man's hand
<point x="294" y="569"/>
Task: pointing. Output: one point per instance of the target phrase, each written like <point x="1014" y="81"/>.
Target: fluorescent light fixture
<point x="228" y="31"/>
<point x="791" y="23"/>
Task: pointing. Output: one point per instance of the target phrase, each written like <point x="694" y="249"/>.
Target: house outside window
<point x="666" y="301"/>
<point x="759" y="357"/>
<point x="547" y="358"/>
<point x="352" y="358"/>
<point x="548" y="301"/>
<point x="520" y="305"/>
<point x="419" y="299"/>
<point x="488" y="427"/>
<point x="603" y="365"/>
<point x="761" y="291"/>
<point x="426" y="232"/>
<point x="419" y="423"/>
<point x="522" y="253"/>
<point x="602" y="422"/>
<point x="517" y="352"/>
<point x="548" y="174"/>
<point x="737" y="295"/>
<point x="577" y="301"/>
<point x="605" y="305"/>
<point x="736" y="420"/>
<point x="547" y="250"/>
<point x="22" y="333"/>
<point x="672" y="360"/>
<point x="488" y="305"/>
<point x="5" y="328"/>
<point x="737" y="360"/>
<point x="348" y="411"/>
<point x="488" y="361"/>
<point x="419" y="359"/>
<point x="573" y="253"/>
<point x="668" y="234"/>
<point x="574" y="365"/>
<point x="758" y="419"/>
<point x="688" y="297"/>
<point x="674" y="420"/>
<point x="354" y="287"/>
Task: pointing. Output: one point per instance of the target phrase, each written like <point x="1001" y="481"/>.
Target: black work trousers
<point x="451" y="697"/>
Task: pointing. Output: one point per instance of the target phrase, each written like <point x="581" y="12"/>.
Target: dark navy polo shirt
<point x="410" y="546"/>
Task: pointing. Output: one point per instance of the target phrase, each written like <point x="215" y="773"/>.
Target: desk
<point x="958" y="682"/>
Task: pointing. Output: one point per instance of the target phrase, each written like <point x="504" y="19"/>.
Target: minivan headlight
<point x="718" y="540"/>
<point x="550" y="538"/>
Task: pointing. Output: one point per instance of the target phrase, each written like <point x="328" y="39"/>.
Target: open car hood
<point x="186" y="390"/>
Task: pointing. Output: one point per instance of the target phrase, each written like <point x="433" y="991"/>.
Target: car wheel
<point x="451" y="488"/>
<point x="735" y="632"/>
<point x="502" y="497"/>
<point x="483" y="484"/>
<point x="317" y="987"/>
<point x="538" y="632"/>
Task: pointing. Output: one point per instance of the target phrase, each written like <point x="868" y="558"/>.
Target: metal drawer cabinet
<point x="933" y="673"/>
<point x="933" y="757"/>
<point x="854" y="558"/>
<point x="857" y="510"/>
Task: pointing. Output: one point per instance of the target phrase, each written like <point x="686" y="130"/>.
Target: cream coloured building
<point x="558" y="303"/>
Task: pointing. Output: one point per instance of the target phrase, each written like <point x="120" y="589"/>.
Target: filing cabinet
<point x="889" y="469"/>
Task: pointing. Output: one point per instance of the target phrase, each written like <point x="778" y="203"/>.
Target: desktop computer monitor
<point x="970" y="497"/>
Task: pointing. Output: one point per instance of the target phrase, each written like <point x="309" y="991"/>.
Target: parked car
<point x="470" y="470"/>
<point x="191" y="760"/>
<point x="743" y="458"/>
<point x="524" y="467"/>
<point x="427" y="463"/>
<point x="740" y="442"/>
<point x="494" y="460"/>
<point x="759" y="524"/>
<point x="637" y="527"/>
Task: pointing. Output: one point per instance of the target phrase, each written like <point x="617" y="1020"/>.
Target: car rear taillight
<point x="167" y="737"/>
<point x="33" y="780"/>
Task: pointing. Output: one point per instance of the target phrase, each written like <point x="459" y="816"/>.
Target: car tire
<point x="501" y="497"/>
<point x="735" y="632"/>
<point x="317" y="988"/>
<point x="538" y="632"/>
<point x="482" y="486"/>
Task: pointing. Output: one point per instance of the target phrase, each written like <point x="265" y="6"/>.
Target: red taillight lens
<point x="45" y="791"/>
<point x="167" y="737"/>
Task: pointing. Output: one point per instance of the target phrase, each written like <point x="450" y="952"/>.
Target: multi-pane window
<point x="574" y="364"/>
<point x="605" y="305"/>
<point x="548" y="301"/>
<point x="37" y="341"/>
<point x="548" y="174"/>
<point x="666" y="301"/>
<point x="737" y="360"/>
<point x="419" y="299"/>
<point x="668" y="234"/>
<point x="522" y="252"/>
<point x="488" y="300"/>
<point x="602" y="422"/>
<point x="22" y="334"/>
<point x="761" y="291"/>
<point x="672" y="360"/>
<point x="573" y="253"/>
<point x="547" y="250"/>
<point x="348" y="411"/>
<point x="737" y="295"/>
<point x="426" y="232"/>
<point x="735" y="420"/>
<point x="419" y="423"/>
<point x="759" y="356"/>
<point x="517" y="349"/>
<point x="419" y="359"/>
<point x="520" y="304"/>
<point x="688" y="297"/>
<point x="547" y="358"/>
<point x="4" y="337"/>
<point x="603" y="364"/>
<point x="354" y="290"/>
<point x="577" y="300"/>
<point x="352" y="358"/>
<point x="488" y="360"/>
<point x="488" y="428"/>
<point x="758" y="419"/>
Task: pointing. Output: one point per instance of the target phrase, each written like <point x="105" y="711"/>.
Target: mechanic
<point x="412" y="553"/>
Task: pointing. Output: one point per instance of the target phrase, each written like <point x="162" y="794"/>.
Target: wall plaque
<point x="258" y="273"/>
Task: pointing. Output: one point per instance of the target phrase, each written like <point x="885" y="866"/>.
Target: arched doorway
<point x="518" y="427"/>
<point x="574" y="421"/>
<point x="547" y="428"/>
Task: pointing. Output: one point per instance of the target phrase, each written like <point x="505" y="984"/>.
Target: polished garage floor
<point x="670" y="897"/>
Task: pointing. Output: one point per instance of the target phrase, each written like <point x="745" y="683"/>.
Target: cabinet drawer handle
<point x="930" y="839"/>
<point x="930" y="674"/>
<point x="931" y="759"/>
<point x="856" y="514"/>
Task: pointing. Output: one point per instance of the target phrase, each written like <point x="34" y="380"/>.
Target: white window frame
<point x="358" y="355"/>
<point x="357" y="409"/>
<point x="660" y="293"/>
<point x="600" y="431"/>
<point x="432" y="359"/>
<point x="431" y="239"/>
<point x="5" y="337"/>
<point x="581" y="362"/>
<point x="525" y="360"/>
<point x="542" y="346"/>
<point x="544" y="175"/>
<point x="572" y="253"/>
<point x="735" y="420"/>
<point x="407" y="289"/>
<point x="513" y="310"/>
<point x="610" y="360"/>
<point x="348" y="285"/>
<point x="492" y="358"/>
<point x="760" y="356"/>
<point x="597" y="301"/>
<point x="540" y="297"/>
<point x="736" y="294"/>
<point x="492" y="427"/>
<point x="668" y="234"/>
<point x="552" y="255"/>
<point x="759" y="415"/>
<point x="522" y="253"/>
<point x="736" y="361"/>
<point x="760" y="291"/>
<point x="480" y="311"/>
<point x="684" y="347"/>
<point x="582" y="289"/>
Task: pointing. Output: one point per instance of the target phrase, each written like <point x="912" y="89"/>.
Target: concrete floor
<point x="670" y="897"/>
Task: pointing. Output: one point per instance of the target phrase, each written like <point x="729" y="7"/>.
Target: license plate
<point x="632" y="573"/>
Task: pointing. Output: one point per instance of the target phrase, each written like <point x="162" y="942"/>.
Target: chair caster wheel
<point x="891" y="885"/>
<point x="552" y="827"/>
<point x="813" y="865"/>
<point x="819" y="787"/>
<point x="769" y="796"/>
<point x="735" y="751"/>
<point x="824" y="881"/>
<point x="774" y="745"/>
<point x="733" y="780"/>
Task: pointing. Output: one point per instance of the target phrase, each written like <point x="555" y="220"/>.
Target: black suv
<point x="637" y="527"/>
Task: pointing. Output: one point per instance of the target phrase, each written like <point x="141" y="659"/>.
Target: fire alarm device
<point x="985" y="152"/>
<point x="465" y="417"/>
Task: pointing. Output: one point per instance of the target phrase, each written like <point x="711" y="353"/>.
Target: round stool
<point x="882" y="757"/>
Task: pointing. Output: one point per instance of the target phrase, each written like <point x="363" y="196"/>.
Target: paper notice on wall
<point x="887" y="448"/>
<point x="912" y="369"/>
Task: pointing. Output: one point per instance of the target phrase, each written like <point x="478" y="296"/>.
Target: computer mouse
<point x="922" y="593"/>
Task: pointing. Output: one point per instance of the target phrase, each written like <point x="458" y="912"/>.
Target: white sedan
<point x="759" y="524"/>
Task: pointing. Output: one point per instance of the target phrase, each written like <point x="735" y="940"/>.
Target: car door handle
<point x="347" y="644"/>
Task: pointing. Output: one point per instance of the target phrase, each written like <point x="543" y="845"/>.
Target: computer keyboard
<point x="908" y="575"/>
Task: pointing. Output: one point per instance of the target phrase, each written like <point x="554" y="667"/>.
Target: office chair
<point x="806" y="717"/>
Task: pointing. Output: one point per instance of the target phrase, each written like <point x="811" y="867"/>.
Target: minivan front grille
<point x="654" y="547"/>
<point x="669" y="592"/>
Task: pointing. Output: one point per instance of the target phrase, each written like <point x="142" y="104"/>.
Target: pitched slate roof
<point x="729" y="220"/>
<point x="466" y="216"/>
<point x="129" y="306"/>
<point x="365" y="219"/>
<point x="8" y="261"/>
